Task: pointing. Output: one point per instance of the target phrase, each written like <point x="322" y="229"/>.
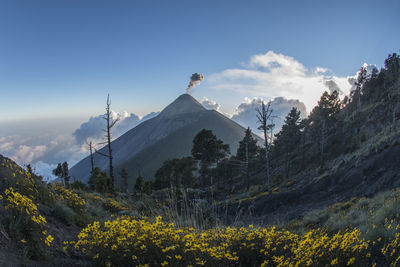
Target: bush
<point x="69" y="197"/>
<point x="64" y="213"/>
<point x="127" y="242"/>
<point x="78" y="185"/>
<point x="25" y="222"/>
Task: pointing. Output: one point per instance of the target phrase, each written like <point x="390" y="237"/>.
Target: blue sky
<point x="61" y="58"/>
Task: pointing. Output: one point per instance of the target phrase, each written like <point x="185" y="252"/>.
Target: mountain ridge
<point x="184" y="111"/>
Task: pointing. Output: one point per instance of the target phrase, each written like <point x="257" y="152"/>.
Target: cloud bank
<point x="43" y="150"/>
<point x="93" y="128"/>
<point x="273" y="75"/>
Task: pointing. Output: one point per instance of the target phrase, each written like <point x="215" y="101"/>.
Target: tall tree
<point x="265" y="119"/>
<point x="322" y="118"/>
<point x="288" y="138"/>
<point x="124" y="179"/>
<point x="361" y="79"/>
<point x="246" y="152"/>
<point x="139" y="185"/>
<point x="175" y="173"/>
<point x="208" y="149"/>
<point x="62" y="172"/>
<point x="99" y="181"/>
<point x="110" y="123"/>
<point x="90" y="145"/>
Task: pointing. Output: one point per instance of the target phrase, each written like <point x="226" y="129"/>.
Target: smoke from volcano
<point x="195" y="79"/>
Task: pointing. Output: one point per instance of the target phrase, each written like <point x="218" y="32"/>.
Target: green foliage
<point x="287" y="140"/>
<point x="208" y="149"/>
<point x="176" y="173"/>
<point x="64" y="213"/>
<point x="124" y="177"/>
<point x="139" y="185"/>
<point x="252" y="147"/>
<point x="62" y="171"/>
<point x="78" y="185"/>
<point x="99" y="181"/>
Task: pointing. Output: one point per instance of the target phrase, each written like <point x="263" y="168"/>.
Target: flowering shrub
<point x="24" y="182"/>
<point x="72" y="199"/>
<point x="392" y="249"/>
<point x="21" y="178"/>
<point x="126" y="241"/>
<point x="113" y="206"/>
<point x="25" y="220"/>
<point x="108" y="203"/>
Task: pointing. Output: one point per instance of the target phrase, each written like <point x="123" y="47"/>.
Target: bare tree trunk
<point x="90" y="144"/>
<point x="267" y="162"/>
<point x="110" y="124"/>
<point x="247" y="165"/>
<point x="110" y="157"/>
<point x="264" y="116"/>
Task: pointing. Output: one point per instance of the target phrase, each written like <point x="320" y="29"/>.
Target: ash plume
<point x="195" y="79"/>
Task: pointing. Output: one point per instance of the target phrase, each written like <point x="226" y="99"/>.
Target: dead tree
<point x="264" y="116"/>
<point x="110" y="123"/>
<point x="90" y="144"/>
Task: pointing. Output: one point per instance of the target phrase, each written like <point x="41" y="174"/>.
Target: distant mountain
<point x="169" y="135"/>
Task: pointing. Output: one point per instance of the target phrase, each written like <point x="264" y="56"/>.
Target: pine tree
<point x="288" y="138"/>
<point x="139" y="185"/>
<point x="124" y="179"/>
<point x="361" y="79"/>
<point x="322" y="119"/>
<point x="99" y="181"/>
<point x="208" y="149"/>
<point x="62" y="172"/>
<point x="246" y="152"/>
<point x="175" y="173"/>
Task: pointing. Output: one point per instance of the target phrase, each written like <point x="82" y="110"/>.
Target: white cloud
<point x="272" y="75"/>
<point x="27" y="154"/>
<point x="246" y="112"/>
<point x="210" y="104"/>
<point x="93" y="128"/>
<point x="45" y="170"/>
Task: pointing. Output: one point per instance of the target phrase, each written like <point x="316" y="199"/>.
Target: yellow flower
<point x="23" y="241"/>
<point x="164" y="263"/>
<point x="351" y="261"/>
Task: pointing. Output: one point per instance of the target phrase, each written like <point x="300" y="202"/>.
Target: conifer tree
<point x="322" y="119"/>
<point x="289" y="136"/>
<point x="246" y="152"/>
<point x="124" y="179"/>
<point x="208" y="149"/>
<point x="62" y="172"/>
<point x="139" y="185"/>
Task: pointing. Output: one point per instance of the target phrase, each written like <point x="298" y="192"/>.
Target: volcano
<point x="169" y="135"/>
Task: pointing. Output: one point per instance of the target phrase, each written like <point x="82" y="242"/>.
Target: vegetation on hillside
<point x="181" y="218"/>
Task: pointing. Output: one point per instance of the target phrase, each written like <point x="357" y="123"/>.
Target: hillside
<point x="333" y="198"/>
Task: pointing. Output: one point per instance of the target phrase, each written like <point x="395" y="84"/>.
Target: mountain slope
<point x="166" y="136"/>
<point x="179" y="143"/>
